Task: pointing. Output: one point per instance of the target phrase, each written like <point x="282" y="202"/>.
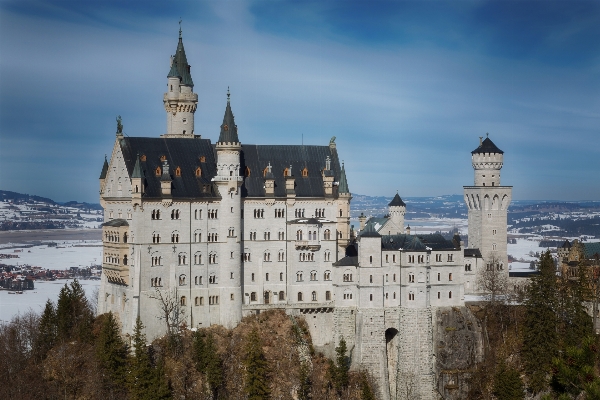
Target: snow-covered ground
<point x="13" y="304"/>
<point x="67" y="254"/>
<point x="71" y="253"/>
<point x="429" y="225"/>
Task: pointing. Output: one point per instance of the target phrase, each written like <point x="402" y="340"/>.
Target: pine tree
<point x="540" y="329"/>
<point x="257" y="379"/>
<point x="47" y="331"/>
<point x="74" y="315"/>
<point x="574" y="371"/>
<point x="365" y="388"/>
<point x="508" y="384"/>
<point x="140" y="378"/>
<point x="207" y="360"/>
<point x="576" y="323"/>
<point x="111" y="350"/>
<point x="341" y="378"/>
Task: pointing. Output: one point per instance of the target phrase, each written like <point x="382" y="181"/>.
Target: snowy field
<point x="67" y="254"/>
<point x="13" y="304"/>
<point x="71" y="216"/>
<point x="430" y="225"/>
<point x="70" y="253"/>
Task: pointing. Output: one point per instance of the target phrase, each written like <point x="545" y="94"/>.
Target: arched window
<point x="198" y="172"/>
<point x="125" y="260"/>
<point x="305" y="172"/>
<point x="300" y="296"/>
<point x="299" y="234"/>
<point x="281" y="296"/>
<point x="182" y="301"/>
<point x="181" y="280"/>
<point x="313" y="275"/>
<point x="314" y="296"/>
<point x="327" y="234"/>
<point x="157" y="171"/>
<point x="285" y="172"/>
<point x="178" y="170"/>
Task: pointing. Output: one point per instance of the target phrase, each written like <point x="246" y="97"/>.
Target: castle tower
<point x="488" y="203"/>
<point x="228" y="181"/>
<point x="180" y="100"/>
<point x="397" y="209"/>
<point x="343" y="217"/>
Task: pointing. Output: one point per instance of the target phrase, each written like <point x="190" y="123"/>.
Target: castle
<point x="231" y="229"/>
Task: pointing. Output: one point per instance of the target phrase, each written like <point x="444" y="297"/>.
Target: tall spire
<point x="343" y="188"/>
<point x="104" y="169"/>
<point x="228" y="127"/>
<point x="137" y="170"/>
<point x="179" y="65"/>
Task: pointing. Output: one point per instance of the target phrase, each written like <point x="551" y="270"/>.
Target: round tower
<point x="228" y="181"/>
<point x="397" y="210"/>
<point x="180" y="100"/>
<point x="487" y="162"/>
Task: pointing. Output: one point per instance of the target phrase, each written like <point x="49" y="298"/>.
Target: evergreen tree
<point x="111" y="350"/>
<point x="576" y="323"/>
<point x="342" y="367"/>
<point x="574" y="371"/>
<point x="257" y="383"/>
<point x="508" y="384"/>
<point x="141" y="376"/>
<point x="366" y="392"/>
<point x="160" y="386"/>
<point x="47" y="331"/>
<point x="304" y="391"/>
<point x="207" y="360"/>
<point x="540" y="329"/>
<point x="74" y="315"/>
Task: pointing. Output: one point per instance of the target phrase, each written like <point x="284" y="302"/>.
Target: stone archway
<point x="391" y="346"/>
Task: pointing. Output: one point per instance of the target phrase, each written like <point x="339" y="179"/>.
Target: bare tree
<point x="493" y="279"/>
<point x="170" y="308"/>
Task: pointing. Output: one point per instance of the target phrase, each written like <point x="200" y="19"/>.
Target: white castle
<point x="233" y="229"/>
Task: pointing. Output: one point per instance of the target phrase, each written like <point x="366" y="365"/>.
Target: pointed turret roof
<point x="487" y="146"/>
<point x="397" y="202"/>
<point x="343" y="188"/>
<point x="180" y="66"/>
<point x="104" y="169"/>
<point x="228" y="127"/>
<point x="369" y="231"/>
<point x="137" y="170"/>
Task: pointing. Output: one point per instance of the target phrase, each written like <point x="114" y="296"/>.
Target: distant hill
<point x="6" y="195"/>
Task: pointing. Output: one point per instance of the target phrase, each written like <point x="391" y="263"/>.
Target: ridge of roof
<point x="228" y="127"/>
<point x="397" y="201"/>
<point x="487" y="146"/>
<point x="104" y="169"/>
<point x="343" y="187"/>
<point x="369" y="231"/>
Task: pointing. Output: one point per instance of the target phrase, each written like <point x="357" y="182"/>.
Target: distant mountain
<point x="6" y="195"/>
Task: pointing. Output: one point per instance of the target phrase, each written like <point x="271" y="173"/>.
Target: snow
<point x="70" y="253"/>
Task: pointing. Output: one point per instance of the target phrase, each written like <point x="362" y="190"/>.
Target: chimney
<point x="362" y="220"/>
<point x="408" y="230"/>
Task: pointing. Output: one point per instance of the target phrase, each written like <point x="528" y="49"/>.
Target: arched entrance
<point x="391" y="345"/>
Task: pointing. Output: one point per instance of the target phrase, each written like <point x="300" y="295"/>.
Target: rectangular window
<point x="450" y="277"/>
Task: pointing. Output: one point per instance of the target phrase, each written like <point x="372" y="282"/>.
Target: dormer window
<point x="265" y="172"/>
<point x="202" y="159"/>
<point x="157" y="171"/>
<point x="247" y="171"/>
<point x="163" y="158"/>
<point x="305" y="172"/>
<point x="198" y="172"/>
<point x="178" y="171"/>
<point x="143" y="157"/>
<point x="286" y="172"/>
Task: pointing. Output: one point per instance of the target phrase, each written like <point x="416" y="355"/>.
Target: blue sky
<point x="407" y="87"/>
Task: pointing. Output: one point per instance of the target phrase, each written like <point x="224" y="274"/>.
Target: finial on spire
<point x="228" y="94"/>
<point x="179" y="28"/>
<point x="487" y="135"/>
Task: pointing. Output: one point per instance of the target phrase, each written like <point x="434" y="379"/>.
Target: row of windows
<point x="313" y="296"/>
<point x="114" y="237"/>
<point x="156" y="260"/>
<point x="259" y="213"/>
<point x="312" y="235"/>
<point x="111" y="214"/>
<point x="114" y="259"/>
<point x="199" y="301"/>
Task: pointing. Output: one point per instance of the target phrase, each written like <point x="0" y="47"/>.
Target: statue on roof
<point x="332" y="141"/>
<point x="119" y="124"/>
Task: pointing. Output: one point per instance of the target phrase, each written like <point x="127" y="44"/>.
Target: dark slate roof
<point x="397" y="202"/>
<point x="228" y="127"/>
<point x="180" y="66"/>
<point x="137" y="169"/>
<point x="566" y="244"/>
<point x="346" y="262"/>
<point x="116" y="223"/>
<point x="591" y="250"/>
<point x="434" y="241"/>
<point x="473" y="253"/>
<point x="104" y="169"/>
<point x="257" y="157"/>
<point x="179" y="152"/>
<point x="487" y="146"/>
<point x="343" y="188"/>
